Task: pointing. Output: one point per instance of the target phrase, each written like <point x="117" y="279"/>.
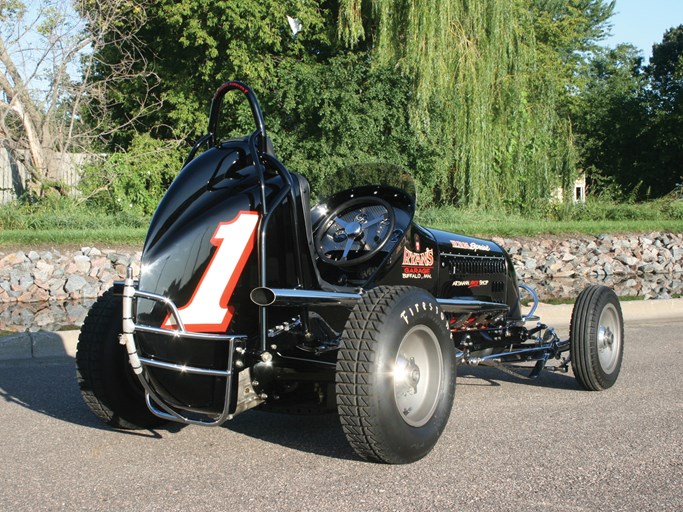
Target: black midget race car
<point x="248" y="296"/>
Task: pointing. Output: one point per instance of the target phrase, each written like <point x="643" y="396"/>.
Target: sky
<point x="643" y="22"/>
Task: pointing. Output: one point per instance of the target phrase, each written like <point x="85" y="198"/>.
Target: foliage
<point x="568" y="33"/>
<point x="491" y="104"/>
<point x="665" y="72"/>
<point x="629" y="118"/>
<point x="63" y="213"/>
<point x="458" y="91"/>
<point x="46" y="112"/>
<point x="134" y="180"/>
<point x="196" y="46"/>
<point x="334" y="114"/>
<point x="479" y="95"/>
<point x="611" y="119"/>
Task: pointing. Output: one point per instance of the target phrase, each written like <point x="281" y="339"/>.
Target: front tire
<point x="395" y="379"/>
<point x="596" y="338"/>
<point x="107" y="382"/>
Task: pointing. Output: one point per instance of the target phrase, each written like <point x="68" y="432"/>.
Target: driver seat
<point x="302" y="192"/>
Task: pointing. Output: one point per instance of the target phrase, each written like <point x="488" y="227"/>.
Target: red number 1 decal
<point x="208" y="310"/>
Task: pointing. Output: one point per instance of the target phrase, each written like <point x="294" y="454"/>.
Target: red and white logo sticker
<point x="208" y="309"/>
<point x="418" y="265"/>
<point x="472" y="284"/>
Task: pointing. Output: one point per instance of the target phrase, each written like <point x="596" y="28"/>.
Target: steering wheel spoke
<point x="347" y="248"/>
<point x="368" y="221"/>
<point x="342" y="223"/>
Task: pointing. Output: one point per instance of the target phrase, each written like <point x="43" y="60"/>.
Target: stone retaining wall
<point x="601" y="256"/>
<point x="39" y="276"/>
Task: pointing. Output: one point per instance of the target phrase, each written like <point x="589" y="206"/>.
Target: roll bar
<point x="210" y="138"/>
<point x="253" y="105"/>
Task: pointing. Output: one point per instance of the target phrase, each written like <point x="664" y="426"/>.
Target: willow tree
<point x="479" y="95"/>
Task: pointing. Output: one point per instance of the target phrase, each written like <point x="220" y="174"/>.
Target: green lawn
<point x="506" y="227"/>
<point x="81" y="237"/>
<point x="67" y="224"/>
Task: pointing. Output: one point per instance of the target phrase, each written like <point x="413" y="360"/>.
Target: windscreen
<point x="363" y="175"/>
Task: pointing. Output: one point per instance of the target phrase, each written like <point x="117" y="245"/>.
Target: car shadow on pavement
<point x="319" y="434"/>
<point x="493" y="377"/>
<point x="48" y="386"/>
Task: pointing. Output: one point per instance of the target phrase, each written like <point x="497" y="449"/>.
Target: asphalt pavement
<point x="510" y="445"/>
<point x="40" y="345"/>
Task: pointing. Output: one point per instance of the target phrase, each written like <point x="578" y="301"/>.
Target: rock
<point x="13" y="259"/>
<point x="627" y="260"/>
<point x="75" y="283"/>
<point x="91" y="252"/>
<point x="90" y="290"/>
<point x="82" y="263"/>
<point x="33" y="275"/>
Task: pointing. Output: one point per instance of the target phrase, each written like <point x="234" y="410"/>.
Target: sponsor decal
<point x="475" y="283"/>
<point x="418" y="265"/>
<point x="418" y="259"/>
<point x="472" y="246"/>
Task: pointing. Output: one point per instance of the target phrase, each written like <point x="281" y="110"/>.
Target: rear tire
<point x="395" y="377"/>
<point x="596" y="338"/>
<point x="108" y="385"/>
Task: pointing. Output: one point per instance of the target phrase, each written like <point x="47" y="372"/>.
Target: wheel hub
<point x="609" y="339"/>
<point x="410" y="374"/>
<point x="605" y="337"/>
<point x="417" y="376"/>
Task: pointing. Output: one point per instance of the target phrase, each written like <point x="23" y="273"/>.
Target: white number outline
<point x="208" y="309"/>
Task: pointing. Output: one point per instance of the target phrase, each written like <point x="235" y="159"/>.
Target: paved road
<point x="509" y="446"/>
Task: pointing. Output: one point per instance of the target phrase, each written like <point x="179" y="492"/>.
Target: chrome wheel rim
<point x="609" y="338"/>
<point x="417" y="376"/>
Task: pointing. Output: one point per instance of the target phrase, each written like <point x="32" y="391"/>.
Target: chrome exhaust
<point x="264" y="296"/>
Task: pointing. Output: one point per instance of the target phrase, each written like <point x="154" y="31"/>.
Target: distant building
<point x="578" y="191"/>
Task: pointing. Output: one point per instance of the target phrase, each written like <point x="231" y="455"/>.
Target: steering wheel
<point x="354" y="231"/>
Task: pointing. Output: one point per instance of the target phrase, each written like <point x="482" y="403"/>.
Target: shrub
<point x="135" y="180"/>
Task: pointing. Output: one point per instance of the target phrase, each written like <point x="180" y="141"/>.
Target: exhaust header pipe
<point x="264" y="296"/>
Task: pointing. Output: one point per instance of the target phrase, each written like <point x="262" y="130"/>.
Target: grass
<point x="491" y="224"/>
<point x="90" y="237"/>
<point x="593" y="218"/>
<point x="64" y="222"/>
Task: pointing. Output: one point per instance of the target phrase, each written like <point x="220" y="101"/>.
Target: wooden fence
<point x="14" y="175"/>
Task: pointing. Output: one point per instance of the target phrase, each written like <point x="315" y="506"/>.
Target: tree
<point x="325" y="106"/>
<point x="48" y="51"/>
<point x="469" y="95"/>
<point x="480" y="89"/>
<point x="611" y="119"/>
<point x="195" y="46"/>
<point x="665" y="73"/>
<point x="568" y="34"/>
<point x="629" y="117"/>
